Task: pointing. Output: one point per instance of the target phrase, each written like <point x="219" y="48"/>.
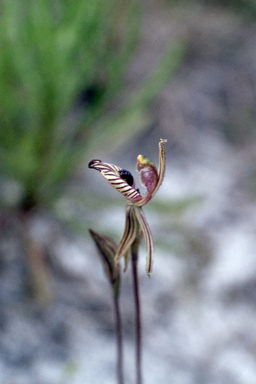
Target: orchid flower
<point x="135" y="220"/>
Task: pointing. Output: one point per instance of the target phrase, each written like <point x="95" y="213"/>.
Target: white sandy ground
<point x="198" y="321"/>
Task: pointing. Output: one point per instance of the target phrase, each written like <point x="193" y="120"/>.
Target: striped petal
<point x="112" y="174"/>
<point x="149" y="176"/>
<point x="148" y="238"/>
<point x="129" y="234"/>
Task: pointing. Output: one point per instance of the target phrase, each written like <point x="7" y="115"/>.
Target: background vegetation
<point x="62" y="67"/>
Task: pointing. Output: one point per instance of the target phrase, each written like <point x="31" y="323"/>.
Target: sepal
<point x="148" y="239"/>
<point x="129" y="234"/>
<point x="112" y="174"/>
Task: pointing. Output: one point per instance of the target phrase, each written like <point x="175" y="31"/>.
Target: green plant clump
<point x="61" y="62"/>
<point x="61" y="68"/>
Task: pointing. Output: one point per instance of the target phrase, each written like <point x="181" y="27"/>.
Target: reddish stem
<point x="119" y="340"/>
<point x="134" y="252"/>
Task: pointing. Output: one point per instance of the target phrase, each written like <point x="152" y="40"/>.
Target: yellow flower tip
<point x="142" y="160"/>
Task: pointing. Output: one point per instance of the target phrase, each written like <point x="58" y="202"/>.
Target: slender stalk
<point x="134" y="254"/>
<point x="107" y="250"/>
<point x="120" y="375"/>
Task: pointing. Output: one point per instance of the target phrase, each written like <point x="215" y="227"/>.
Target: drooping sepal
<point x="148" y="239"/>
<point x="129" y="234"/>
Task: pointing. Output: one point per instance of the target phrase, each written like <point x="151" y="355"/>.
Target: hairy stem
<point x="134" y="253"/>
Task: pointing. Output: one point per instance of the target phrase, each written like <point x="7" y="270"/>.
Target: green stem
<point x="119" y="340"/>
<point x="134" y="254"/>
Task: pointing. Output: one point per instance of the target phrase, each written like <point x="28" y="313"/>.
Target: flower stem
<point x="134" y="253"/>
<point x="120" y="376"/>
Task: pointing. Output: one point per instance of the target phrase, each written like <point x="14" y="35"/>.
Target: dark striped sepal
<point x="134" y="215"/>
<point x="118" y="178"/>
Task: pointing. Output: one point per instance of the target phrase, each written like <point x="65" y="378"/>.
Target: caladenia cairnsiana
<point x="136" y="225"/>
<point x="135" y="220"/>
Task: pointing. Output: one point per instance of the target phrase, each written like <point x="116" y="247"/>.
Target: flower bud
<point x="107" y="250"/>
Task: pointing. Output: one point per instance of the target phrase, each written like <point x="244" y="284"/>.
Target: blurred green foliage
<point x="246" y="8"/>
<point x="61" y="66"/>
<point x="243" y="7"/>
